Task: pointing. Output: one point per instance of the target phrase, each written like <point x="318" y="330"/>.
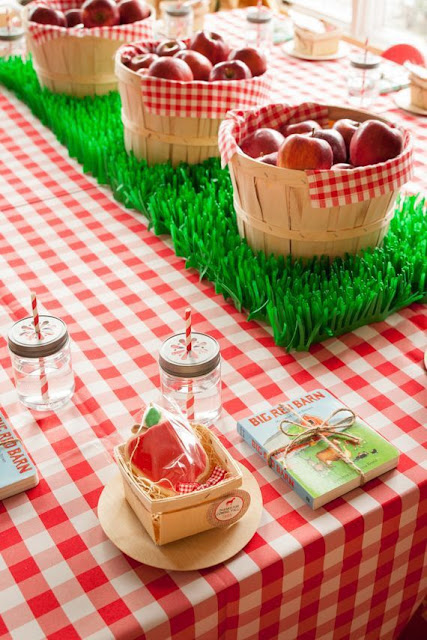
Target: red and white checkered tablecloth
<point x="350" y="571"/>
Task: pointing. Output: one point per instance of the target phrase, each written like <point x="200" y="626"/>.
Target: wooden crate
<point x="171" y="518"/>
<point x="158" y="139"/>
<point x="275" y="214"/>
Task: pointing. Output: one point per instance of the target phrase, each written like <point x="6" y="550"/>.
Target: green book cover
<point x="314" y="469"/>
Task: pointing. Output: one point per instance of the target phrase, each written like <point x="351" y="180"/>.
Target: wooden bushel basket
<point x="158" y="139"/>
<point x="171" y="518"/>
<point x="76" y="65"/>
<point x="274" y="211"/>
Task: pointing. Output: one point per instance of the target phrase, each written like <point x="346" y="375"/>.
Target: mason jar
<point x="42" y="368"/>
<point x="363" y="79"/>
<point x="178" y="19"/>
<point x="196" y="373"/>
<point x="259" y="29"/>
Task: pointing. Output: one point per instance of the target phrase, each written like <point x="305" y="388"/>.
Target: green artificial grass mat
<point x="304" y="303"/>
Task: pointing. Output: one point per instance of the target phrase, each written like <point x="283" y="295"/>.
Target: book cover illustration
<point x="313" y="468"/>
<point x="17" y="472"/>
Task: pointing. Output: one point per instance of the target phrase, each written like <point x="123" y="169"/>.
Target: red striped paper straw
<point x="190" y="401"/>
<point x="188" y="329"/>
<point x="43" y="378"/>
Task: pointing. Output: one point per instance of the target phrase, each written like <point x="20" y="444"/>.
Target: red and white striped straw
<point x="188" y="329"/>
<point x="43" y="378"/>
<point x="190" y="401"/>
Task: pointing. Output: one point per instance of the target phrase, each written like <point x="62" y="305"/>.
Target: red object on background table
<point x="402" y="53"/>
<point x="352" y="570"/>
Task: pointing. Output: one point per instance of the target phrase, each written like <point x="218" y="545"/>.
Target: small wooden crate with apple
<point x="176" y="93"/>
<point x="314" y="180"/>
<point x="160" y="466"/>
<point x="73" y="42"/>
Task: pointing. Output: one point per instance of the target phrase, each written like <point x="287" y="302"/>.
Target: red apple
<point x="198" y="63"/>
<point x="133" y="11"/>
<point x="230" y="70"/>
<point x="171" y="69"/>
<point x="167" y="454"/>
<point x="306" y="126"/>
<point x="46" y="15"/>
<point x="129" y="51"/>
<point x="335" y="139"/>
<point x="142" y="61"/>
<point x="300" y="151"/>
<point x="170" y="47"/>
<point x="210" y="45"/>
<point x="262" y="143"/>
<point x="270" y="158"/>
<point x="73" y="17"/>
<point x="342" y="166"/>
<point x="347" y="129"/>
<point x="255" y="60"/>
<point x="100" y="13"/>
<point x="374" y="142"/>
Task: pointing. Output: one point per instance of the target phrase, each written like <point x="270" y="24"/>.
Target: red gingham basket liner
<point x="216" y="476"/>
<point x="40" y="33"/>
<point x="327" y="188"/>
<point x="203" y="99"/>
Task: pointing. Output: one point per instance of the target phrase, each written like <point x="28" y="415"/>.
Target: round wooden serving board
<point x="206" y="549"/>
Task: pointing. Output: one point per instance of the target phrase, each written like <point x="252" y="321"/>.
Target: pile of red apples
<point x="207" y="58"/>
<point x="305" y="145"/>
<point x="93" y="13"/>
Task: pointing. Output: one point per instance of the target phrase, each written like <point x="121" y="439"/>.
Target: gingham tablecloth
<point x="350" y="571"/>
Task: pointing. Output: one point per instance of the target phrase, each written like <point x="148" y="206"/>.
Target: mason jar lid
<point x="202" y="359"/>
<point x="23" y="340"/>
<point x="177" y="11"/>
<point x="258" y="16"/>
<point x="361" y="61"/>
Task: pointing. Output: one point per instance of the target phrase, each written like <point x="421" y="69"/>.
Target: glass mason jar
<point x="197" y="372"/>
<point x="363" y="80"/>
<point x="12" y="20"/>
<point x="178" y="21"/>
<point x="42" y="368"/>
<point x="259" y="29"/>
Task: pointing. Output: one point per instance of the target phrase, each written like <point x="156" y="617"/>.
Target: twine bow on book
<point x="321" y="431"/>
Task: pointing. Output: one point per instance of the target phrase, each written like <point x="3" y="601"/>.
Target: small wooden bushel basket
<point x="171" y="518"/>
<point x="275" y="213"/>
<point x="76" y="64"/>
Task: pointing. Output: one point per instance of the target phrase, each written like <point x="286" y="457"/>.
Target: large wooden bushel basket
<point x="275" y="214"/>
<point x="78" y="65"/>
<point x="156" y="138"/>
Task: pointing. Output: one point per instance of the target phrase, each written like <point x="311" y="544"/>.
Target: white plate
<point x="343" y="50"/>
<point x="403" y="100"/>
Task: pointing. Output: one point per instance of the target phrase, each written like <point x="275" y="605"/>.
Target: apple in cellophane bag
<point x="176" y="475"/>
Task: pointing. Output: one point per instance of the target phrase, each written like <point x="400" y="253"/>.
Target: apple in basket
<point x="73" y="18"/>
<point x="129" y="51"/>
<point x="211" y="45"/>
<point x="167" y="454"/>
<point x="336" y="142"/>
<point x="262" y="143"/>
<point x="270" y="158"/>
<point x="142" y="61"/>
<point x="46" y="15"/>
<point x="171" y="69"/>
<point x="198" y="63"/>
<point x="347" y="129"/>
<point x="255" y="60"/>
<point x="306" y="126"/>
<point x="230" y="70"/>
<point x="374" y="142"/>
<point x="301" y="152"/>
<point x="100" y="13"/>
<point x="133" y="11"/>
<point x="170" y="47"/>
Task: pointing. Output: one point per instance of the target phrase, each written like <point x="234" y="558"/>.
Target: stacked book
<point x="17" y="471"/>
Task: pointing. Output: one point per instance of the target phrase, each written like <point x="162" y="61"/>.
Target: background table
<point x="351" y="570"/>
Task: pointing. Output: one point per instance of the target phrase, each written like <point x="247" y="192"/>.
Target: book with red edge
<point x="17" y="470"/>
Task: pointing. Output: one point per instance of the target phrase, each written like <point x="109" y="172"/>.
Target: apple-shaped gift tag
<point x="167" y="453"/>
